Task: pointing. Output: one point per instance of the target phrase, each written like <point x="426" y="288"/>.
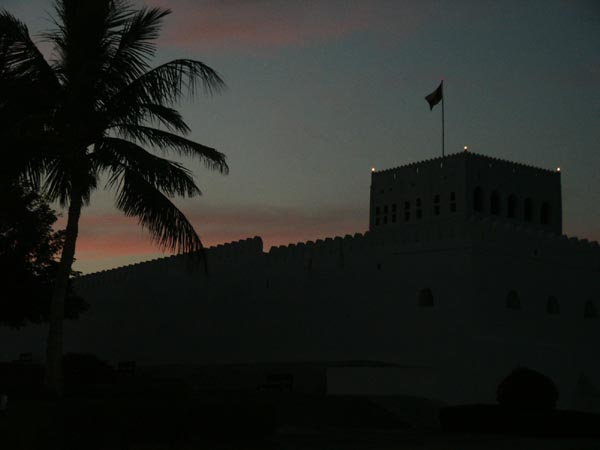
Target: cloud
<point x="243" y="24"/>
<point x="106" y="238"/>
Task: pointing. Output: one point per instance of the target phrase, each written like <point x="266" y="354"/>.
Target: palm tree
<point x="95" y="110"/>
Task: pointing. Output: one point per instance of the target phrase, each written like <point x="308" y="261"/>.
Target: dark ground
<point x="109" y="411"/>
<point x="228" y="423"/>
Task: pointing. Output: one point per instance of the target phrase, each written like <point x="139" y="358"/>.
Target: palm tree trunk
<point x="54" y="371"/>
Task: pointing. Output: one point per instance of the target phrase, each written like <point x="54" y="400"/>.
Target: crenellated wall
<point x="525" y="240"/>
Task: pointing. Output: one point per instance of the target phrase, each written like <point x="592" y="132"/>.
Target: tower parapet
<point x="456" y="187"/>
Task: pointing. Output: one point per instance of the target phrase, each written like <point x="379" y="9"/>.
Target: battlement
<point x="461" y="156"/>
<point x="249" y="246"/>
<point x="513" y="237"/>
<point x="319" y="248"/>
<point x="461" y="185"/>
<point x="334" y="251"/>
<point x="243" y="247"/>
<point x="563" y="249"/>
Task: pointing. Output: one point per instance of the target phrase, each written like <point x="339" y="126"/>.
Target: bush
<point x="19" y="380"/>
<point x="81" y="369"/>
<point x="526" y="389"/>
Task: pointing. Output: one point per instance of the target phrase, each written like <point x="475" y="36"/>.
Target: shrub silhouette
<point x="526" y="389"/>
<point x="83" y="369"/>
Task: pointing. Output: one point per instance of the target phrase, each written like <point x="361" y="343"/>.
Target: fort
<point x="463" y="275"/>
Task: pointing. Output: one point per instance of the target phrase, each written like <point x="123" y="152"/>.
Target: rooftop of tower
<point x="464" y="155"/>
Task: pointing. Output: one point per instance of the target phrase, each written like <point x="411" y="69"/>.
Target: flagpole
<point x="443" y="118"/>
<point x="433" y="99"/>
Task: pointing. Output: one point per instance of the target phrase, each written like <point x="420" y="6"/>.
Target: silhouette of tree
<point x="98" y="107"/>
<point x="527" y="389"/>
<point x="28" y="264"/>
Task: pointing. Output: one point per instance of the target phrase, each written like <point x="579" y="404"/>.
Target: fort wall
<point x="466" y="294"/>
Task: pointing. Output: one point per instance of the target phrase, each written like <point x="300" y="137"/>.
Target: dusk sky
<point x="321" y="91"/>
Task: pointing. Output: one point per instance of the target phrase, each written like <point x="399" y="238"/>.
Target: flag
<point x="436" y="96"/>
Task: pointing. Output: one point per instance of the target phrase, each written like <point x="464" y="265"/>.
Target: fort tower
<point x="463" y="185"/>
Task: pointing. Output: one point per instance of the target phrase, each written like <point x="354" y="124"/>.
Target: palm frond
<point x="57" y="183"/>
<point x="20" y="59"/>
<point x="168" y="226"/>
<point x="120" y="156"/>
<point x="29" y="89"/>
<point x="64" y="175"/>
<point x="167" y="84"/>
<point x="166" y="141"/>
<point x="168" y="117"/>
<point x="30" y="163"/>
<point x="19" y="165"/>
<point x="147" y="113"/>
<point x="86" y="35"/>
<point x="135" y="48"/>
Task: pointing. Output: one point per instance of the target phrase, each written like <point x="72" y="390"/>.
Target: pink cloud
<point x="106" y="238"/>
<point x="109" y="240"/>
<point x="242" y="24"/>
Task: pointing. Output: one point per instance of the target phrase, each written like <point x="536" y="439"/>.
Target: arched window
<point x="545" y="214"/>
<point x="528" y="210"/>
<point x="425" y="298"/>
<point x="478" y="199"/>
<point x="512" y="300"/>
<point x="511" y="206"/>
<point x="590" y="311"/>
<point x="552" y="306"/>
<point x="495" y="203"/>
